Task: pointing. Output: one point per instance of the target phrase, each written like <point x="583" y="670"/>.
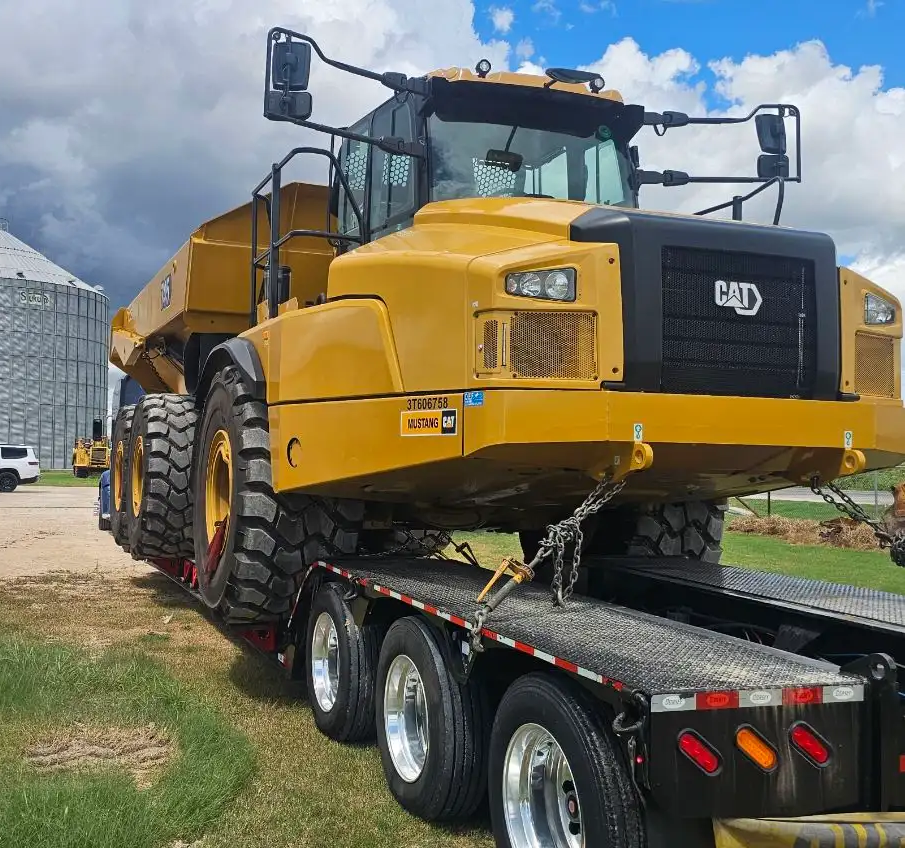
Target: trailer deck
<point x="609" y="644"/>
<point x="868" y="608"/>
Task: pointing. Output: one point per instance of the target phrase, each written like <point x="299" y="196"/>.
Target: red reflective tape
<point x="456" y="620"/>
<point x="568" y="666"/>
<point x="716" y="700"/>
<point x="525" y="649"/>
<point x="383" y="590"/>
<point x="431" y="609"/>
<point x="405" y="599"/>
<point x="799" y="697"/>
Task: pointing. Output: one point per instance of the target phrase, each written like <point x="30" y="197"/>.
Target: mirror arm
<point x="395" y="81"/>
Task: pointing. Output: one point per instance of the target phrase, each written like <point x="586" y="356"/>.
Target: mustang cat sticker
<point x="431" y="417"/>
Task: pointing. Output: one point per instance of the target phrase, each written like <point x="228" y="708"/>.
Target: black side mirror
<point x="291" y="65"/>
<point x="772" y="165"/>
<point x="771" y="133"/>
<point x="290" y="68"/>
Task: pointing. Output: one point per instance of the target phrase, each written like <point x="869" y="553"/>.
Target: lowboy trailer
<point x="700" y="702"/>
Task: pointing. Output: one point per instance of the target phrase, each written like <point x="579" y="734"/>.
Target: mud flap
<point x="852" y="830"/>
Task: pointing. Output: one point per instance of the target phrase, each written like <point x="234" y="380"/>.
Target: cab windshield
<point x="512" y="141"/>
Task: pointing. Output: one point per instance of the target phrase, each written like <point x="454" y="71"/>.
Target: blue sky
<point x="573" y="32"/>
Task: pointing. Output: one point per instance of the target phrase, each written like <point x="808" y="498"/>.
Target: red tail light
<point x="699" y="752"/>
<point x="810" y="744"/>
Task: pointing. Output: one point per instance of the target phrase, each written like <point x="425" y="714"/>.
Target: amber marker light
<point x="756" y="748"/>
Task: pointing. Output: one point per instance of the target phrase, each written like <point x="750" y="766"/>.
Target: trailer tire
<point x="693" y="529"/>
<point x="270" y="537"/>
<point x="159" y="504"/>
<point x="536" y="710"/>
<point x="452" y="778"/>
<point x="343" y="708"/>
<point x="119" y="466"/>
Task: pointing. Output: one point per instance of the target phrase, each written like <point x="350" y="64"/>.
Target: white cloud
<point x="502" y="18"/>
<point x="872" y="6"/>
<point x="548" y="9"/>
<point x="524" y="49"/>
<point x="589" y="7"/>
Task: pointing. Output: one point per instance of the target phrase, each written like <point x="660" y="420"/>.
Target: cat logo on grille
<point x="744" y="298"/>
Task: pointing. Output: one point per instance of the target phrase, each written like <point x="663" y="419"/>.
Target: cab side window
<point x="392" y="176"/>
<point x="353" y="159"/>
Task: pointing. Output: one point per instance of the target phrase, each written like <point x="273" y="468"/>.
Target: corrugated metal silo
<point x="54" y="333"/>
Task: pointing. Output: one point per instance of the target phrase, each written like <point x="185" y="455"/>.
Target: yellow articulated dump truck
<point x="91" y="456"/>
<point x="473" y="326"/>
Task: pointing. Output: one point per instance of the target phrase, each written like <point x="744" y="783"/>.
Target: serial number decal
<point x="442" y="423"/>
<point x="418" y="404"/>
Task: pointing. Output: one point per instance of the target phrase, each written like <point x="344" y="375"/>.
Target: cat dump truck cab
<point x="473" y="326"/>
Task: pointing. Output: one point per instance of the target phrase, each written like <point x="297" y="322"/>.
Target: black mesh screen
<point x="711" y="347"/>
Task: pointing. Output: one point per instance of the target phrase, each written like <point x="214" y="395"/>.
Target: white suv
<point x="18" y="464"/>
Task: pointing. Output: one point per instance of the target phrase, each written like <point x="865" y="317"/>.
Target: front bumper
<point x="739" y="444"/>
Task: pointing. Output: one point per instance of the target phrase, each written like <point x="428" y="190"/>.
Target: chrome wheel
<point x="405" y="718"/>
<point x="325" y="661"/>
<point x="539" y="796"/>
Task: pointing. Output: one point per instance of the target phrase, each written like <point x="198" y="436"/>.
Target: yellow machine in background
<point x="91" y="456"/>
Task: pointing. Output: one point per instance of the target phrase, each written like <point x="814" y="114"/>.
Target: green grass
<point x="66" y="478"/>
<point x="873" y="570"/>
<point x="794" y="509"/>
<point x="885" y="479"/>
<point x="44" y="688"/>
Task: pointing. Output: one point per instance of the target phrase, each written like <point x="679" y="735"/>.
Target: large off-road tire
<point x="556" y="771"/>
<point x="119" y="476"/>
<point x="432" y="731"/>
<point x="693" y="529"/>
<point x="341" y="667"/>
<point x="269" y="538"/>
<point x="159" y="501"/>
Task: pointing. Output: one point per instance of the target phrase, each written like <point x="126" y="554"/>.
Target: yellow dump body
<point x="206" y="286"/>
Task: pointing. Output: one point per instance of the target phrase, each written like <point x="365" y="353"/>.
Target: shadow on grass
<point x="260" y="677"/>
<point x="166" y="593"/>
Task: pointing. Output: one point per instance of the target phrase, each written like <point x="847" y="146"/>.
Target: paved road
<point x="796" y="493"/>
<point x="54" y="528"/>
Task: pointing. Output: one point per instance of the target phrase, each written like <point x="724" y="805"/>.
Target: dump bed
<point x="206" y="286"/>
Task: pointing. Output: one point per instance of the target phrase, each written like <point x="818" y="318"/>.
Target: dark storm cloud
<point x="125" y="124"/>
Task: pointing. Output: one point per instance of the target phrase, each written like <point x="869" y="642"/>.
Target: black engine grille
<point x="711" y="349"/>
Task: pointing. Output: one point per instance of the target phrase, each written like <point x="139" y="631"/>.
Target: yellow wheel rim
<point x="138" y="474"/>
<point x="116" y="475"/>
<point x="218" y="483"/>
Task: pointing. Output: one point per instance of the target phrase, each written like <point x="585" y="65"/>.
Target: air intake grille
<point x="555" y="345"/>
<point x="875" y="365"/>
<point x="709" y="348"/>
<point x="491" y="342"/>
<point x="98" y="455"/>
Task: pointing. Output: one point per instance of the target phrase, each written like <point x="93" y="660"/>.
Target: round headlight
<point x="512" y="282"/>
<point x="558" y="286"/>
<point x="530" y="284"/>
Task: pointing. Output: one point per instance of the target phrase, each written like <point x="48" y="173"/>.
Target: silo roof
<point x="18" y="261"/>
